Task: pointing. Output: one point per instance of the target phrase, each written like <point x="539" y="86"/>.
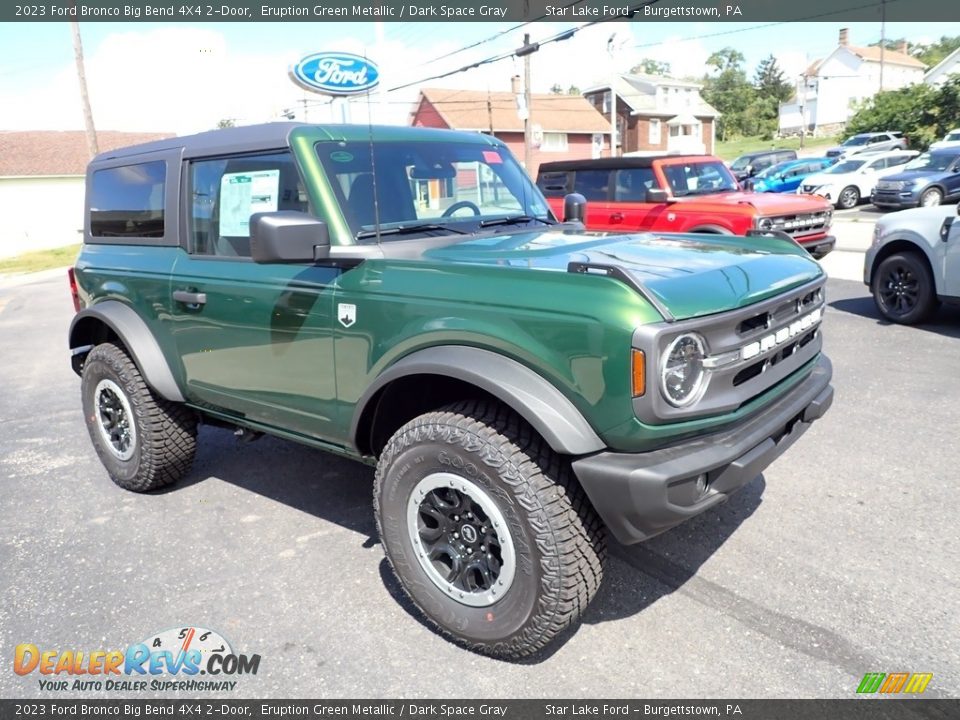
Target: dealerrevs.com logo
<point x="170" y="660"/>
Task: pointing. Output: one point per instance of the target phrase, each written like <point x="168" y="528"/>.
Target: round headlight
<point x="682" y="376"/>
<point x="765" y="223"/>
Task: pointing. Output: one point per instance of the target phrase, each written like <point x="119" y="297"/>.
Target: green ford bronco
<point x="405" y="297"/>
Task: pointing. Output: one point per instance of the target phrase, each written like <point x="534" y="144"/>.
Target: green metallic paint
<point x="268" y="352"/>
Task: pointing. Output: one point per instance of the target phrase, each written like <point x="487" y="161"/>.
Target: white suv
<point x="850" y="180"/>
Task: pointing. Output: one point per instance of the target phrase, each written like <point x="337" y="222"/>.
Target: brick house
<point x="657" y="114"/>
<point x="565" y="127"/>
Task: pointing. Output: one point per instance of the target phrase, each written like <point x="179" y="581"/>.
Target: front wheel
<point x="487" y="529"/>
<point x="849" y="197"/>
<point x="903" y="289"/>
<point x="931" y="197"/>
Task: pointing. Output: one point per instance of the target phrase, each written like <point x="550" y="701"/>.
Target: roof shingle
<point x="468" y="110"/>
<point x="52" y="152"/>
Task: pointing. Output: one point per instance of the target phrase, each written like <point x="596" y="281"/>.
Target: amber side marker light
<point x="639" y="372"/>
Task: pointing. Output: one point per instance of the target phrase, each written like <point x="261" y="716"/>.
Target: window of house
<point x="227" y="191"/>
<point x="127" y="201"/>
<point x="554" y="142"/>
<point x="654" y="131"/>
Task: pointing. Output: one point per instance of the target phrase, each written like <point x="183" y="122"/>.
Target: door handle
<point x="616" y="217"/>
<point x="190" y="298"/>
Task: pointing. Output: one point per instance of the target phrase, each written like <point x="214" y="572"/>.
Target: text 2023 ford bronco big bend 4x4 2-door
<point x="405" y="297"/>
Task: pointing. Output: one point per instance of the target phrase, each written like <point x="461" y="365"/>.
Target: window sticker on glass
<point x="243" y="194"/>
<point x="492" y="157"/>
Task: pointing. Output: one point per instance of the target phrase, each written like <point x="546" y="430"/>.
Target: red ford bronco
<point x="683" y="194"/>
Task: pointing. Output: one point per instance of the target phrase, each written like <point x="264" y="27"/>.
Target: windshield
<point x="699" y="178"/>
<point x="847" y="166"/>
<point x="953" y="137"/>
<point x="741" y="162"/>
<point x="931" y="161"/>
<point x="456" y="185"/>
<point x="774" y="170"/>
<point x="857" y="140"/>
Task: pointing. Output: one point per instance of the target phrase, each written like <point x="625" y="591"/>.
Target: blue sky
<point x="185" y="74"/>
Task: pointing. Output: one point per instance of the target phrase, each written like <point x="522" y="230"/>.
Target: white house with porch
<point x="830" y="90"/>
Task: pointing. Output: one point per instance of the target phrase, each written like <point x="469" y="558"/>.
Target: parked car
<point x="748" y="165"/>
<point x="849" y="181"/>
<point x="404" y="297"/>
<point x="950" y="140"/>
<point x="914" y="263"/>
<point x="786" y="177"/>
<point x="685" y="193"/>
<point x="868" y="142"/>
<point x="927" y="180"/>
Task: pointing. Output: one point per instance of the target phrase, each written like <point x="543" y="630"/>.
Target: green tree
<point x="922" y="112"/>
<point x="649" y="66"/>
<point x="729" y="91"/>
<point x="556" y="89"/>
<point x="573" y="90"/>
<point x="770" y="81"/>
<point x="927" y="53"/>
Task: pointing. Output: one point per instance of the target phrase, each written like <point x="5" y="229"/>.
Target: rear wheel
<point x="903" y="289"/>
<point x="144" y="442"/>
<point x="848" y="198"/>
<point x="487" y="529"/>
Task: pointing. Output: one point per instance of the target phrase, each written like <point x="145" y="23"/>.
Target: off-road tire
<point x="166" y="432"/>
<point x="560" y="541"/>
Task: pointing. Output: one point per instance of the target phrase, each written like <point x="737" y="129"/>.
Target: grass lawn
<point x="731" y="149"/>
<point x="40" y="260"/>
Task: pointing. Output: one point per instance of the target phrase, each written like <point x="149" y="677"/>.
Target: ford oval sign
<point x="336" y="73"/>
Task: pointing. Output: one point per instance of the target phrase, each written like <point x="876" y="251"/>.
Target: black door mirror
<point x="288" y="236"/>
<point x="574" y="208"/>
<point x="656" y="195"/>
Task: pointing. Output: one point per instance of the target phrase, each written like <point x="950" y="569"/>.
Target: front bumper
<point x="639" y="495"/>
<point x="820" y="247"/>
<point x="896" y="199"/>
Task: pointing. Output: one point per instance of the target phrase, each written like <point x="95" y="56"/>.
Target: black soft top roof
<point x="614" y="163"/>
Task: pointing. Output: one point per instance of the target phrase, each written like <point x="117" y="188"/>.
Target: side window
<point x="127" y="201"/>
<point x="877" y="165"/>
<point x="592" y="184"/>
<point x="632" y="184"/>
<point x="762" y="163"/>
<point x="553" y="184"/>
<point x="226" y="191"/>
<point x="895" y="160"/>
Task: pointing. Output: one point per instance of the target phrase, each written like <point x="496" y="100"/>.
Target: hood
<point x="821" y="179"/>
<point x="765" y="203"/>
<point x="914" y="175"/>
<point x="691" y="275"/>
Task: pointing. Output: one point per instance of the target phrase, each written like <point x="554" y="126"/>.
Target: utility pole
<point x="527" y="121"/>
<point x="802" y="95"/>
<point x="883" y="37"/>
<point x="92" y="147"/>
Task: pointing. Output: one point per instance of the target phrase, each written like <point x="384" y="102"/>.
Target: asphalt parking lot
<point x="840" y="560"/>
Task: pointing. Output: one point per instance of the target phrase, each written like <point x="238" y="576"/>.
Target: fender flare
<point x="710" y="229"/>
<point x="529" y="394"/>
<point x="135" y="336"/>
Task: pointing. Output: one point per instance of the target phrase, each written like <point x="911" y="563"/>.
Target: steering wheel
<point x="460" y="205"/>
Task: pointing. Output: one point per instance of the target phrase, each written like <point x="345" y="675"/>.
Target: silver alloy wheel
<point x="461" y="539"/>
<point x="848" y="198"/>
<point x="931" y="198"/>
<point x="115" y="419"/>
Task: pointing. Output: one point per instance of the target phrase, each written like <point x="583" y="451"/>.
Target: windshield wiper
<point x="407" y="230"/>
<point x="515" y="220"/>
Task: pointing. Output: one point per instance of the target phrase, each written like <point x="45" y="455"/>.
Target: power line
<point x="563" y="35"/>
<point x="766" y="25"/>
